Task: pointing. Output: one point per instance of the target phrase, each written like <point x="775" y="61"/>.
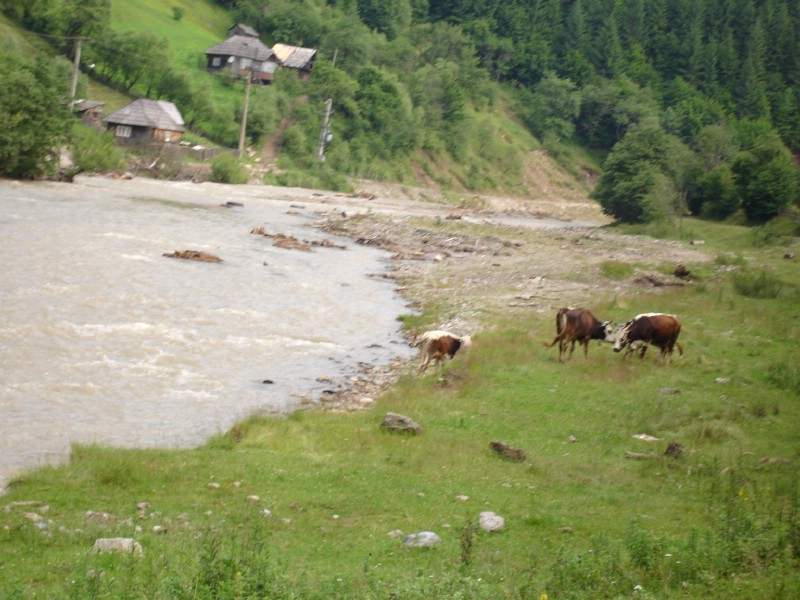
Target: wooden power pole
<point x="244" y="113"/>
<point x="73" y="89"/>
<point x="324" y="134"/>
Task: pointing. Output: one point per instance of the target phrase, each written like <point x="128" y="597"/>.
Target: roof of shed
<point x="242" y="46"/>
<point x="245" y="29"/>
<point x="143" y="112"/>
<point x="294" y="57"/>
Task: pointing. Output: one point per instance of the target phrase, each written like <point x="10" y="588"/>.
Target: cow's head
<point x="609" y="332"/>
<point x="620" y="336"/>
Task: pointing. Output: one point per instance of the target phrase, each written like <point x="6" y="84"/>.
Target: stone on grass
<point x="423" y="539"/>
<point x="491" y="521"/>
<point x="117" y="545"/>
<point x="401" y="423"/>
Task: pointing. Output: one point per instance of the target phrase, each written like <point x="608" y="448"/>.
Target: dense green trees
<point x="410" y="74"/>
<point x="35" y="118"/>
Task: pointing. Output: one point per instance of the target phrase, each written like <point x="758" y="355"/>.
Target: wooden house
<point x="146" y="120"/>
<point x="296" y="57"/>
<point x="243" y="54"/>
<point x="90" y="112"/>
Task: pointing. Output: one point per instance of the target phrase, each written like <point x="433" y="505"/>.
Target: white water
<point x="104" y="340"/>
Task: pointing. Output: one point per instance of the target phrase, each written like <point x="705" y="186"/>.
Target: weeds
<point x="616" y="270"/>
<point x="762" y="284"/>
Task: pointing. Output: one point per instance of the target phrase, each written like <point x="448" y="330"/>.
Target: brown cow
<point x="659" y="329"/>
<point x="437" y="345"/>
<point x="578" y="325"/>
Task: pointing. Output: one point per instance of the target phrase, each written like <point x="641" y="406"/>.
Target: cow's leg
<point x="571" y="349"/>
<point x="423" y="366"/>
<point x="586" y="347"/>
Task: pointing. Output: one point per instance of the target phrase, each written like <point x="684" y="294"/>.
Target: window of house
<point x="123" y="131"/>
<point x="215" y="62"/>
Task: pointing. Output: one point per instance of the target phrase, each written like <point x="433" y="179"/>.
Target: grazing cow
<point x="437" y="345"/>
<point x="578" y="325"/>
<point x="659" y="329"/>
<point x="632" y="347"/>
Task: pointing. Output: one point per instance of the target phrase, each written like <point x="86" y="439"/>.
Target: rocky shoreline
<point x="484" y="267"/>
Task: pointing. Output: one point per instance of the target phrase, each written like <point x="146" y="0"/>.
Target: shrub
<point x="785" y="375"/>
<point x="225" y="169"/>
<point x="95" y="152"/>
<point x="763" y="284"/>
<point x="718" y="193"/>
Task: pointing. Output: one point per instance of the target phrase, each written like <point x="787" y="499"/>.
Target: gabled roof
<point x="158" y="114"/>
<point x="294" y="57"/>
<point x="242" y="46"/>
<point x="242" y="29"/>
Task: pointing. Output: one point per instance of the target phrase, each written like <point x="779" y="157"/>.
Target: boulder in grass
<point x="491" y="521"/>
<point x="423" y="539"/>
<point x="125" y="545"/>
<point x="400" y="423"/>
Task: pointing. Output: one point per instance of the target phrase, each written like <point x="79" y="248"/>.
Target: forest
<point x="684" y="107"/>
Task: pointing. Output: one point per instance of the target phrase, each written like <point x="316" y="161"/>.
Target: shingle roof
<point x="142" y="112"/>
<point x="244" y="29"/>
<point x="242" y="46"/>
<point x="294" y="57"/>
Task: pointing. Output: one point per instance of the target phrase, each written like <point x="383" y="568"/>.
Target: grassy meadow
<point x="303" y="506"/>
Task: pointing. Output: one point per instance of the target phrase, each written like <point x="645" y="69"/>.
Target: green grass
<point x="203" y="24"/>
<point x="582" y="520"/>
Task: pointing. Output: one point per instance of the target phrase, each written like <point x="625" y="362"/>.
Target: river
<point x="104" y="340"/>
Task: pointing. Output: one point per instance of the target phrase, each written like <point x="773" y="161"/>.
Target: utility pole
<point x="324" y="134"/>
<point x="75" y="66"/>
<point x="244" y="112"/>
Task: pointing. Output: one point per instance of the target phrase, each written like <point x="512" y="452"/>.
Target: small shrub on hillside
<point x="762" y="284"/>
<point x="225" y="169"/>
<point x="319" y="179"/>
<point x="95" y="152"/>
<point x="785" y="375"/>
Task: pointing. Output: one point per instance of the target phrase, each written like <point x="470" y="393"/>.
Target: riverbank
<point x="469" y="263"/>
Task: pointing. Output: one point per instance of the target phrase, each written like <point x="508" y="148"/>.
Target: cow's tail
<point x="554" y="342"/>
<point x="561" y="324"/>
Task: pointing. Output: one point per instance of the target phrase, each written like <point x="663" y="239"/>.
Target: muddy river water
<point x="104" y="340"/>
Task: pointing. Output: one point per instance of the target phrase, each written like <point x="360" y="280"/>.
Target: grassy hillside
<point x="202" y="24"/>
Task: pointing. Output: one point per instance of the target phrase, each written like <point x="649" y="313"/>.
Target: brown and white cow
<point x="578" y="325"/>
<point x="438" y="345"/>
<point x="658" y="329"/>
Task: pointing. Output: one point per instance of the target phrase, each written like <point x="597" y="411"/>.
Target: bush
<point x="717" y="193"/>
<point x="225" y="169"/>
<point x="35" y="121"/>
<point x="763" y="284"/>
<point x="94" y="151"/>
